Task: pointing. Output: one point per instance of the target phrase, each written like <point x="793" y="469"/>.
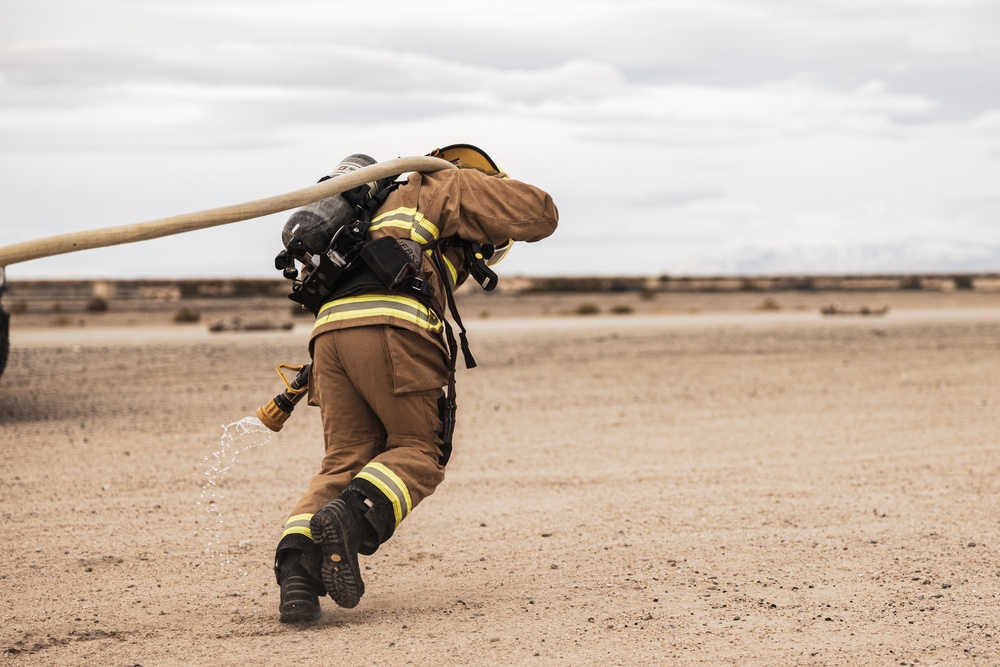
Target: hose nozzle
<point x="274" y="413"/>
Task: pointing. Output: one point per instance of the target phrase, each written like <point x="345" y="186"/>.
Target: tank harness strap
<point x="449" y="408"/>
<point x="369" y="206"/>
<point x="438" y="254"/>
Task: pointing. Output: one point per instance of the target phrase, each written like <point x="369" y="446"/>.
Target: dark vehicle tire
<point x="4" y="338"/>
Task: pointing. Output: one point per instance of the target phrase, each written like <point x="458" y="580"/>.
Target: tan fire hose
<point x="188" y="222"/>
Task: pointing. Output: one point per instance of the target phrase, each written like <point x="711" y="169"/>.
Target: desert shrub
<point x="187" y="316"/>
<point x="588" y="309"/>
<point x="622" y="309"/>
<point x="62" y="321"/>
<point x="19" y="307"/>
<point x="768" y="304"/>
<point x="964" y="282"/>
<point x="97" y="304"/>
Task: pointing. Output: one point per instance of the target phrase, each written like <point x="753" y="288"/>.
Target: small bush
<point x="588" y="309"/>
<point x="623" y="309"/>
<point x="97" y="305"/>
<point x="964" y="282"/>
<point x="768" y="304"/>
<point x="187" y="316"/>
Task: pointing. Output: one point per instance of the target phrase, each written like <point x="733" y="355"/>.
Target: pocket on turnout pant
<point x="417" y="364"/>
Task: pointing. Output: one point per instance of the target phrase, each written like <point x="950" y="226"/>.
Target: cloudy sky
<point x="678" y="137"/>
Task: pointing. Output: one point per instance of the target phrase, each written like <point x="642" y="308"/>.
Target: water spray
<point x="237" y="437"/>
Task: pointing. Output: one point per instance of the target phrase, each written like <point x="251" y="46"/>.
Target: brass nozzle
<point x="274" y="413"/>
<point x="272" y="416"/>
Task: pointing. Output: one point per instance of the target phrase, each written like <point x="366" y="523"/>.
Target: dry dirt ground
<point x="708" y="485"/>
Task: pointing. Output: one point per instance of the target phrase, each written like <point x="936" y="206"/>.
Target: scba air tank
<point x="316" y="223"/>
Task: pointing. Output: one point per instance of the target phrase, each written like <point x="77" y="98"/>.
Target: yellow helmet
<point x="468" y="156"/>
<point x="499" y="252"/>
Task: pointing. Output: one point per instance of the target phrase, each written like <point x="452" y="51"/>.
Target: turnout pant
<point x="378" y="388"/>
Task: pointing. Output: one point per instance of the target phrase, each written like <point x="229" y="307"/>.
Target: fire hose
<point x="189" y="222"/>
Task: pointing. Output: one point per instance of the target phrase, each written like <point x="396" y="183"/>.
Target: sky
<point x="699" y="137"/>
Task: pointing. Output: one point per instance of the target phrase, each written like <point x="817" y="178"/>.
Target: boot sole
<point x="341" y="573"/>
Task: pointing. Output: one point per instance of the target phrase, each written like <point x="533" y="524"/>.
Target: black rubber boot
<point x="338" y="529"/>
<point x="379" y="519"/>
<point x="300" y="590"/>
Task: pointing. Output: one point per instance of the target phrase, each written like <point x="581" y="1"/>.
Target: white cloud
<point x="703" y="125"/>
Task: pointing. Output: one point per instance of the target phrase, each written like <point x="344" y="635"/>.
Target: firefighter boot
<point x="297" y="570"/>
<point x="340" y="529"/>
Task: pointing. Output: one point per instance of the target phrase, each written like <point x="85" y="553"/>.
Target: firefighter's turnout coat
<point x="380" y="357"/>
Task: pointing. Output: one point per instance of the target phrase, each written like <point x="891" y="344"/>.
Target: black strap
<point x="438" y="254"/>
<point x="451" y="403"/>
<point x="367" y="207"/>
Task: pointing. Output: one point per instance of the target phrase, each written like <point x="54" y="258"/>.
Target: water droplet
<point x="237" y="437"/>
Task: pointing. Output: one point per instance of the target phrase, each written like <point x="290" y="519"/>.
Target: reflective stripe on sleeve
<point x="391" y="486"/>
<point x="421" y="229"/>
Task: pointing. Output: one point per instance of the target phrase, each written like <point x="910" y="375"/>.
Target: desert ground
<point x="680" y="480"/>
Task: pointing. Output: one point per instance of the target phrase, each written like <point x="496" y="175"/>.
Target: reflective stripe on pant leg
<point x="389" y="485"/>
<point x="298" y="525"/>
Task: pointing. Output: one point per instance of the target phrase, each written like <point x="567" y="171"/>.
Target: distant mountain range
<point x="916" y="256"/>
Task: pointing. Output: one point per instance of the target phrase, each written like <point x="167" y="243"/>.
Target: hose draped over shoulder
<point x="178" y="224"/>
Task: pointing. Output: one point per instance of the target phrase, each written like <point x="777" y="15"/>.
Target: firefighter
<point x="381" y="359"/>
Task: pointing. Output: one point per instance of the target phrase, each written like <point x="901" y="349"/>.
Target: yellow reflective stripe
<point x="447" y="262"/>
<point x="404" y="213"/>
<point x="374" y="305"/>
<point x="298" y="525"/>
<point x="421" y="229"/>
<point x="451" y="269"/>
<point x="424" y="231"/>
<point x="391" y="486"/>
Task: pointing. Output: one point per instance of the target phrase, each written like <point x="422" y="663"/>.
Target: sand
<point x="699" y="483"/>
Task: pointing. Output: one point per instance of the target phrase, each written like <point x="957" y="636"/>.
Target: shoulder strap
<point x="450" y="404"/>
